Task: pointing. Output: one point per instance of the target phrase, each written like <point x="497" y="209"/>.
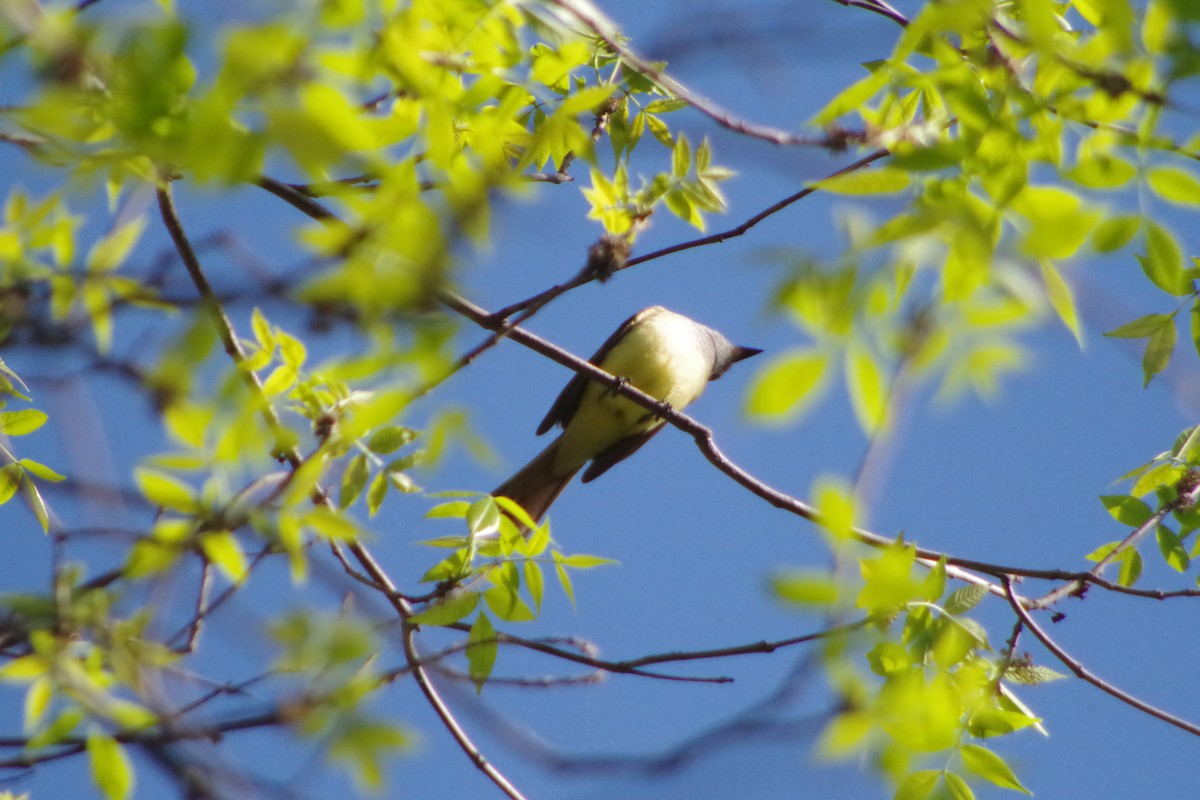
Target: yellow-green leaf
<point x="867" y="385"/>
<point x="1061" y="299"/>
<point x="883" y="180"/>
<point x="165" y="491"/>
<point x="19" y="423"/>
<point x="1163" y="262"/>
<point x="450" y="609"/>
<point x="1175" y="184"/>
<point x="481" y="650"/>
<point x="990" y="767"/>
<point x="111" y="251"/>
<point x="109" y="765"/>
<point x="223" y="550"/>
<point x="788" y="386"/>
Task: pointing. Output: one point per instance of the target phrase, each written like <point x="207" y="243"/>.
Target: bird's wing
<point x="567" y="403"/>
<point x="618" y="452"/>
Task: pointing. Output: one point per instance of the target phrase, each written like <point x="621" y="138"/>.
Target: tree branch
<point x="1081" y="672"/>
<point x="591" y="19"/>
<point x="291" y="454"/>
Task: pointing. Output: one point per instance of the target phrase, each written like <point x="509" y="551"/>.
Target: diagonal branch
<point x="1082" y="672"/>
<point x="597" y="25"/>
<point x="879" y="7"/>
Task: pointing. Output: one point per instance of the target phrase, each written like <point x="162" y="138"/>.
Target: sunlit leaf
<point x="109" y="765"/>
<point x="19" y="423"/>
<point x="1127" y="510"/>
<point x="788" y="386"/>
<point x="481" y="650"/>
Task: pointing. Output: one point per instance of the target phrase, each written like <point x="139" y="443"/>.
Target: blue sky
<point x="1012" y="480"/>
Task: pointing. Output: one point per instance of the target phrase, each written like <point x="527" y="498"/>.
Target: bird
<point x="664" y="354"/>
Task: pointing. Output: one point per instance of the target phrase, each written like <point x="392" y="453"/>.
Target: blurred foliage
<point x="1014" y="129"/>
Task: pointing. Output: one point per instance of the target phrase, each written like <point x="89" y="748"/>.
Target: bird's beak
<point x="742" y="353"/>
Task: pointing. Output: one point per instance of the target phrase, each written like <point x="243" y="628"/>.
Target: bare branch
<point x="292" y="455"/>
<point x="879" y="7"/>
<point x="1081" y="672"/>
<point x="591" y="19"/>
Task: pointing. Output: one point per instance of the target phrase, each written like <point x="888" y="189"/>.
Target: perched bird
<point x="664" y="354"/>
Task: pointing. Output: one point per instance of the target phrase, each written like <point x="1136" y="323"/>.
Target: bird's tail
<point x="536" y="485"/>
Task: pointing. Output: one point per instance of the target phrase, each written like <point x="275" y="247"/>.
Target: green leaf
<point x="964" y="599"/>
<point x="564" y="578"/>
<point x="1061" y="298"/>
<point x="166" y="491"/>
<point x="363" y="744"/>
<point x="882" y="180"/>
<point x="1127" y="510"/>
<point x="514" y="510"/>
<point x="917" y="785"/>
<point x="263" y="334"/>
<point x="390" y="439"/>
<point x="377" y="492"/>
<point x="37" y="702"/>
<point x="853" y="98"/>
<point x="483" y="516"/>
<point x="111" y="251"/>
<point x="40" y="470"/>
<point x="1115" y="233"/>
<point x="806" y="588"/>
<point x="1102" y="551"/>
<point x="1172" y="549"/>
<point x="1130" y="562"/>
<point x="481" y="650"/>
<point x="788" y="385"/>
<point x="534" y="582"/>
<point x="11" y="478"/>
<point x="659" y="130"/>
<point x="868" y="391"/>
<point x="448" y="610"/>
<point x="845" y="734"/>
<point x="64" y="725"/>
<point x="1175" y="184"/>
<point x="989" y="722"/>
<point x="507" y="604"/>
<point x="991" y="767"/>
<point x="1163" y="262"/>
<point x="1060" y="221"/>
<point x="1029" y="675"/>
<point x="889" y="658"/>
<point x="454" y="509"/>
<point x="835" y="504"/>
<point x="1158" y="353"/>
<point x="109" y="765"/>
<point x="957" y="788"/>
<point x="330" y="524"/>
<point x="19" y="423"/>
<point x="37" y="504"/>
<point x="354" y="479"/>
<point x="681" y="157"/>
<point x="223" y="550"/>
<point x="666" y="105"/>
<point x="581" y="561"/>
<point x="1141" y="327"/>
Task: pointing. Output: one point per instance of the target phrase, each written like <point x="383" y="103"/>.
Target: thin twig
<point x="590" y="18"/>
<point x="588" y="276"/>
<point x="1084" y="674"/>
<point x="1130" y="541"/>
<point x="879" y="7"/>
<point x="291" y="453"/>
